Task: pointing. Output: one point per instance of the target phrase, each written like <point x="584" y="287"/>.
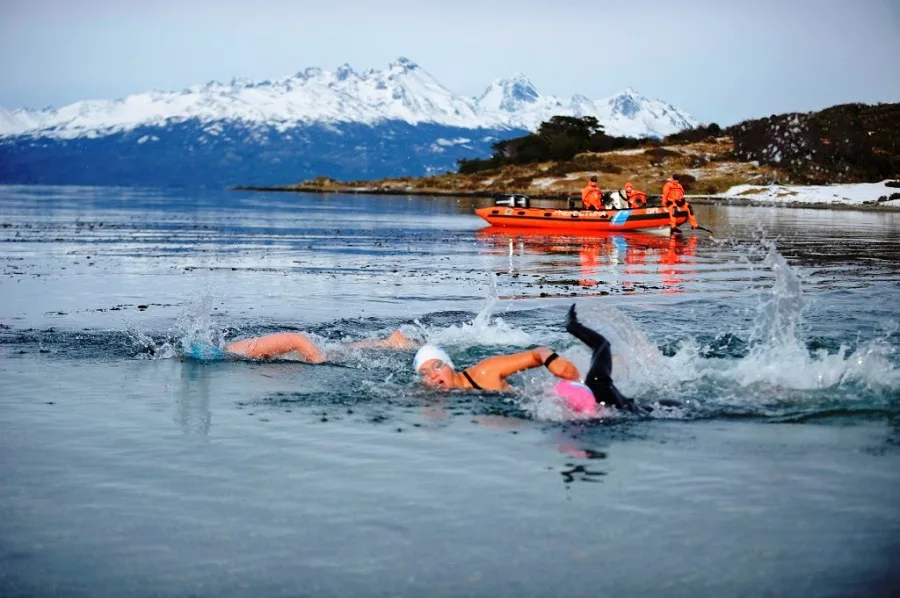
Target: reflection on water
<point x="193" y="414"/>
<point x="625" y="263"/>
<point x="580" y="473"/>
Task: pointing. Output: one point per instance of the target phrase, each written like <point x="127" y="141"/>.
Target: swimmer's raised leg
<point x="599" y="376"/>
<point x="601" y="357"/>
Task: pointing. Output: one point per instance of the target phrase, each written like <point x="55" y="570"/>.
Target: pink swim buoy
<point x="577" y="397"/>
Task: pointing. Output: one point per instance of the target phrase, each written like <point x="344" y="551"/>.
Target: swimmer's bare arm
<point x="502" y="366"/>
<point x="397" y="340"/>
<point x="276" y="345"/>
<point x="560" y="366"/>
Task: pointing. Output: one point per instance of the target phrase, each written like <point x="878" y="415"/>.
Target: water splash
<point x="779" y="371"/>
<point x="639" y="365"/>
<point x="779" y="368"/>
<point x="779" y="319"/>
<point x="484" y="329"/>
<point x="193" y="329"/>
<point x="147" y="347"/>
<point x="779" y="356"/>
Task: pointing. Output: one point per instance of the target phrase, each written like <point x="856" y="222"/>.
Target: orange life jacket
<point x="673" y="193"/>
<point x="590" y="196"/>
<point x="636" y="199"/>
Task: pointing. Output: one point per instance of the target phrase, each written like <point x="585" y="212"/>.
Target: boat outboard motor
<point x="514" y="201"/>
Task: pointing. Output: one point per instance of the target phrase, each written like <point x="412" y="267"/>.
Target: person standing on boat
<point x="673" y="200"/>
<point x="636" y="199"/>
<point x="591" y="195"/>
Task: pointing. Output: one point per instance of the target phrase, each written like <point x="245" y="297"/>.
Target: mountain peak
<point x="519" y="78"/>
<point x="509" y="94"/>
<point x="308" y="73"/>
<point x="403" y="64"/>
<point x="518" y="82"/>
<point x="344" y="72"/>
<point x="8" y="121"/>
<point x="628" y="103"/>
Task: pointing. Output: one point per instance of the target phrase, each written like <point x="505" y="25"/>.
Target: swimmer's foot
<point x="581" y="332"/>
<point x="571" y="318"/>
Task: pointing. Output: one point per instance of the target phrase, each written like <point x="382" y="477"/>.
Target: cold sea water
<point x="129" y="470"/>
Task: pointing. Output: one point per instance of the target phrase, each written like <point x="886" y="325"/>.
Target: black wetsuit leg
<point x="599" y="376"/>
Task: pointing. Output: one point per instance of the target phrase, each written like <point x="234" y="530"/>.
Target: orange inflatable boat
<point x="517" y="212"/>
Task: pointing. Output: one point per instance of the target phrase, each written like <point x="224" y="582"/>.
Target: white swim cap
<point x="429" y="352"/>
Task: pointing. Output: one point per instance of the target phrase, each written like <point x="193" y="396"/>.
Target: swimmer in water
<point x="279" y="344"/>
<point x="599" y="376"/>
<point x="596" y="392"/>
<point x="437" y="370"/>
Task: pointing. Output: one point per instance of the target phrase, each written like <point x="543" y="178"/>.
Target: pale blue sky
<point x="722" y="61"/>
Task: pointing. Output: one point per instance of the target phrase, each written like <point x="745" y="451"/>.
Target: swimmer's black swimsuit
<point x="472" y="382"/>
<point x="599" y="376"/>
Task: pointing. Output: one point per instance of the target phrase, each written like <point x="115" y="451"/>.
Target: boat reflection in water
<point x="632" y="262"/>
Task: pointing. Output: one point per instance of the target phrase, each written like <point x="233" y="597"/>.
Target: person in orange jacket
<point x="591" y="195"/>
<point x="636" y="199"/>
<point x="673" y="200"/>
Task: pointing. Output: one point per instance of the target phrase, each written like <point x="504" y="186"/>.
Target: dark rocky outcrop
<point x="843" y="144"/>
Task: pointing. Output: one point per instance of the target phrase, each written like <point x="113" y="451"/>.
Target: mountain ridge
<point x="399" y="121"/>
<point x="403" y="92"/>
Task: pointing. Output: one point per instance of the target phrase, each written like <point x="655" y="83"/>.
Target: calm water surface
<point x="130" y="471"/>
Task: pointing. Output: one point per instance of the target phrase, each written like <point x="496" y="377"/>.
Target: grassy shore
<point x="708" y="167"/>
<point x="647" y="169"/>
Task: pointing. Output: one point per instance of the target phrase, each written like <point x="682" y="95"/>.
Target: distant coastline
<point x="841" y="157"/>
<point x="462" y="193"/>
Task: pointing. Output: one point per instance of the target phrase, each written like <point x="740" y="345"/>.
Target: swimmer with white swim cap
<point x="436" y="368"/>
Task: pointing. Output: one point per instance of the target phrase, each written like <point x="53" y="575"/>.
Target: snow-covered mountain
<point x="403" y="92"/>
<point x="344" y="124"/>
<point x="515" y="102"/>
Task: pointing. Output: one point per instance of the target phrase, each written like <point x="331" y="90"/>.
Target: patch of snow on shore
<point x="727" y="168"/>
<point x="629" y="152"/>
<point x="543" y="183"/>
<point x="852" y="194"/>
